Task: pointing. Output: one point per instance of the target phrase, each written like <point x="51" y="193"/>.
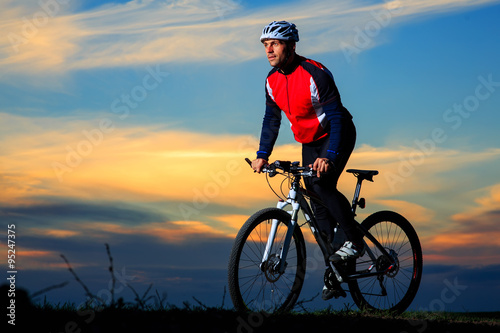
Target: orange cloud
<point x="469" y="240"/>
<point x="477" y="259"/>
<point x="197" y="172"/>
<point x="231" y="224"/>
<point x="56" y="233"/>
<point x="144" y="165"/>
<point x="233" y="221"/>
<point x="412" y="212"/>
<point x="453" y="247"/>
<point x="172" y="232"/>
<point x="180" y="231"/>
<point x="472" y="236"/>
<point x="33" y="259"/>
<point x="489" y="201"/>
<point x="34" y="253"/>
<point x="197" y="168"/>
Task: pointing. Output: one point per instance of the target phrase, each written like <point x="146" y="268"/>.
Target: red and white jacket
<point x="306" y="93"/>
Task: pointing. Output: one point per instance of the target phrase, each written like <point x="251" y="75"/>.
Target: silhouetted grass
<point x="150" y="312"/>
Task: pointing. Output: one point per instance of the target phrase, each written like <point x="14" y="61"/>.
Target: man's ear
<point x="290" y="48"/>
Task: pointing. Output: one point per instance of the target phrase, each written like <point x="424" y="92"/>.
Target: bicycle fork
<point x="281" y="265"/>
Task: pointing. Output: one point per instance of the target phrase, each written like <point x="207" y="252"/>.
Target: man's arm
<point x="333" y="112"/>
<point x="270" y="130"/>
<point x="332" y="107"/>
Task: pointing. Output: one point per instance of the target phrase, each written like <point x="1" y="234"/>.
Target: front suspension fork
<point x="288" y="238"/>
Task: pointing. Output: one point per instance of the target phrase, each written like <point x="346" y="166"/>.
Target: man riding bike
<point x="305" y="91"/>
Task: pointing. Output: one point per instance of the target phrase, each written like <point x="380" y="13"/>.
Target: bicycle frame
<point x="297" y="200"/>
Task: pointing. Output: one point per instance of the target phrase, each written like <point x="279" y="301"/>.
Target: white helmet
<point x="281" y="30"/>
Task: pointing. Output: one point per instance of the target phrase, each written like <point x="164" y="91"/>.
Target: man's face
<point x="276" y="51"/>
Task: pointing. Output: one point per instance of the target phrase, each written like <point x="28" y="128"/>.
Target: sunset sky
<point x="127" y="123"/>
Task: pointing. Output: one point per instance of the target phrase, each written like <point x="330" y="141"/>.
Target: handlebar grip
<point x="249" y="162"/>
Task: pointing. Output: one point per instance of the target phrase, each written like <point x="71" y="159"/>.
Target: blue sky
<point x="127" y="123"/>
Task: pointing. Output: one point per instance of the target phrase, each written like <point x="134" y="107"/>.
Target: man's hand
<point x="258" y="164"/>
<point x="322" y="165"/>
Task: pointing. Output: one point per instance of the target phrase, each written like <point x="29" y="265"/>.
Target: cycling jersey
<point x="306" y="93"/>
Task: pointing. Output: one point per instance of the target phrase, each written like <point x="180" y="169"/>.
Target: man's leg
<point x="338" y="206"/>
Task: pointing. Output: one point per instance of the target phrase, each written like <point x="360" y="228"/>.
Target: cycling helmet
<point x="282" y="30"/>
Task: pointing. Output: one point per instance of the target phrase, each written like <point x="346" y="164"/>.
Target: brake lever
<point x="309" y="173"/>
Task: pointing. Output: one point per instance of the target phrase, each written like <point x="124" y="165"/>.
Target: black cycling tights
<point x="338" y="208"/>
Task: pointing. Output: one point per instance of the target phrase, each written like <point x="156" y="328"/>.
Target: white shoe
<point x="348" y="251"/>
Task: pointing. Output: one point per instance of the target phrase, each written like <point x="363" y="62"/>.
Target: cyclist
<point x="305" y="91"/>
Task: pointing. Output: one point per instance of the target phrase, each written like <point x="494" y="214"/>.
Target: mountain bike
<point x="267" y="265"/>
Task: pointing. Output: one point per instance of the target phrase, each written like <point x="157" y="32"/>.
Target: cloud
<point x="176" y="186"/>
<point x="410" y="169"/>
<point x="485" y="211"/>
<point x="234" y="221"/>
<point x="58" y="158"/>
<point x="57" y="210"/>
<point x="134" y="32"/>
<point x="83" y="245"/>
<point x="413" y="212"/>
<point x="472" y="236"/>
<point x="56" y="233"/>
<point x="31" y="258"/>
<point x="190" y="31"/>
<point x="40" y="34"/>
<point x="174" y="232"/>
<point x="46" y="159"/>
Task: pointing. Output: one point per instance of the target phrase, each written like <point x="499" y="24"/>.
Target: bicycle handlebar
<point x="286" y="166"/>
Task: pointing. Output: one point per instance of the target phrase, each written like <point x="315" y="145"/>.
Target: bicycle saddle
<point x="363" y="174"/>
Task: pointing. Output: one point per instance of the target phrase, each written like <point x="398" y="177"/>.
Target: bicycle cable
<point x="287" y="177"/>
<point x="271" y="187"/>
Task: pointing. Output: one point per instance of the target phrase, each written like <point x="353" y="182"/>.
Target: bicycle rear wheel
<point x="257" y="286"/>
<point x="395" y="289"/>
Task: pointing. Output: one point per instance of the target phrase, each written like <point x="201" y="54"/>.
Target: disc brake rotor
<point x="271" y="268"/>
<point x="384" y="264"/>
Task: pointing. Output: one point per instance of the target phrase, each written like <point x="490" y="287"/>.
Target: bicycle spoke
<point x="399" y="280"/>
<point x="259" y="286"/>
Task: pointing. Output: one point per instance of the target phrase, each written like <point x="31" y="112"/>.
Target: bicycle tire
<point x="258" y="290"/>
<point x="394" y="233"/>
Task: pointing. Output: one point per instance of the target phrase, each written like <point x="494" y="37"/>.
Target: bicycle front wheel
<point x="395" y="289"/>
<point x="257" y="285"/>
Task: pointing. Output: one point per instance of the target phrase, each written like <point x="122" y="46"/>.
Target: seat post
<point x="357" y="191"/>
<point x="361" y="175"/>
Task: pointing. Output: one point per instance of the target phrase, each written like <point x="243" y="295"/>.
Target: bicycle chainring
<point x="330" y="279"/>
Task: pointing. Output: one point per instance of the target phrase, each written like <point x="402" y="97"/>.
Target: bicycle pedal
<point x="333" y="293"/>
<point x="340" y="293"/>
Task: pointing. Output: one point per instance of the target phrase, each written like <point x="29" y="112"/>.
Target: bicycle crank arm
<point x="336" y="272"/>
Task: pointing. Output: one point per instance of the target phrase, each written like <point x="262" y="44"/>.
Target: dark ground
<point x="66" y="319"/>
<point x="217" y="320"/>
